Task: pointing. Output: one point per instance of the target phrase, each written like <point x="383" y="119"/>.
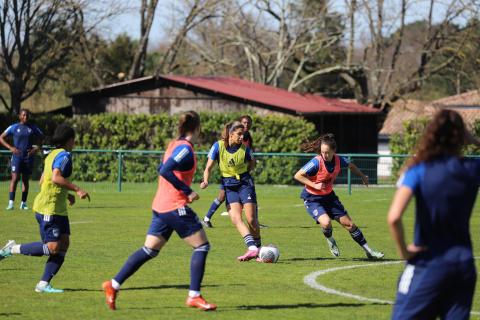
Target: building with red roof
<point x="354" y="125"/>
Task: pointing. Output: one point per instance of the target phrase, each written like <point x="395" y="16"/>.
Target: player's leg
<point x="27" y="167"/>
<point x="193" y="234"/>
<point x="13" y="185"/>
<point x="157" y="236"/>
<point x="235" y="213"/>
<point x="57" y="252"/>
<point x="326" y="224"/>
<point x="217" y="202"/>
<point x="357" y="235"/>
<point x="249" y="200"/>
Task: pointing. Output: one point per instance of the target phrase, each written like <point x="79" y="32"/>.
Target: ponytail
<point x="315" y="145"/>
<point x="188" y="122"/>
<point x="228" y="129"/>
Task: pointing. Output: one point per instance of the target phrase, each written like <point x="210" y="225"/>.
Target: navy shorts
<point x="431" y="290"/>
<point x="23" y="165"/>
<point x="52" y="226"/>
<point x="242" y="193"/>
<point x="329" y="204"/>
<point x="183" y="221"/>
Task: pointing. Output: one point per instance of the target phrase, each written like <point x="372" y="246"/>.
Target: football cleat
<point x="372" y="254"/>
<point x="47" y="289"/>
<point x="200" y="303"/>
<point x="23" y="206"/>
<point x="332" y="245"/>
<point x="110" y="294"/>
<point x="249" y="255"/>
<point x="6" y="251"/>
<point x="207" y="224"/>
<point x="9" y="207"/>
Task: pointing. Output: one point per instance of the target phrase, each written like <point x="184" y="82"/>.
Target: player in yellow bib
<point x="50" y="208"/>
<point x="236" y="161"/>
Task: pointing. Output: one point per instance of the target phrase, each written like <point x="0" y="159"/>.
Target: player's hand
<point x="192" y="197"/>
<point x="203" y="184"/>
<point x="71" y="199"/>
<point x="318" y="186"/>
<point x="83" y="194"/>
<point x="15" y="151"/>
<point x="412" y="251"/>
<point x="365" y="180"/>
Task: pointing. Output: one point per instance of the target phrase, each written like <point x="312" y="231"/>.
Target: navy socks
<point x="134" y="262"/>
<point x="197" y="266"/>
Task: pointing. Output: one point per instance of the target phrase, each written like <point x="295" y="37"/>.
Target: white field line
<point x="311" y="281"/>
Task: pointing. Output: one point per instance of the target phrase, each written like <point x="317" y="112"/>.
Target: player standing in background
<point x="171" y="213"/>
<point x="321" y="202"/>
<point x="247" y="122"/>
<point x="23" y="153"/>
<point x="439" y="278"/>
<point x="50" y="206"/>
<point x="236" y="161"/>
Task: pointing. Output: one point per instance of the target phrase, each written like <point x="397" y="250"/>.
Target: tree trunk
<point x="16" y="91"/>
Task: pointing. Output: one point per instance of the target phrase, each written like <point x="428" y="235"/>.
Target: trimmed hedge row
<point x="113" y="131"/>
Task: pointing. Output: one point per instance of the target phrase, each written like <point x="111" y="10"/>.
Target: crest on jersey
<point x="56" y="232"/>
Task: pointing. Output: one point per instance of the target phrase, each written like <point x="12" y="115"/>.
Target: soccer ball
<point x="269" y="253"/>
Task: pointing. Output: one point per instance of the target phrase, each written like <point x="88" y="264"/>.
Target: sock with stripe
<point x="357" y="235"/>
<point x="327" y="232"/>
<point x="197" y="266"/>
<point x="134" y="262"/>
<point x="250" y="242"/>
<point x="36" y="249"/>
<point x="214" y="207"/>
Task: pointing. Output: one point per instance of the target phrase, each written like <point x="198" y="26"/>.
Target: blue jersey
<point x="22" y="136"/>
<point x="63" y="162"/>
<point x="445" y="191"/>
<point x="311" y="169"/>
<point x="181" y="159"/>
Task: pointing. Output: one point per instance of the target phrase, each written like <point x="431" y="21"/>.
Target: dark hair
<point x="62" y="134"/>
<point x="24" y="110"/>
<point x="228" y="129"/>
<point x="188" y="122"/>
<point x="315" y="145"/>
<point x="246" y="116"/>
<point x="443" y="136"/>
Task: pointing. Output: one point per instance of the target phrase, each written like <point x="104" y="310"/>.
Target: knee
<point x="54" y="248"/>
<point x="221" y="197"/>
<point x="151" y="252"/>
<point x="350" y="226"/>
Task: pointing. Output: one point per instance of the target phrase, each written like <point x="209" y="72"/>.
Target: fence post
<point x="349" y="177"/>
<point x="120" y="169"/>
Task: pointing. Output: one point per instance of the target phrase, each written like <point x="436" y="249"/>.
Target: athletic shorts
<point x="183" y="221"/>
<point x="52" y="226"/>
<point x="243" y="193"/>
<point x="329" y="204"/>
<point x="23" y="165"/>
<point x="430" y="290"/>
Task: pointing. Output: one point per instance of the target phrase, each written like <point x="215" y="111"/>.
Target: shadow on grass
<point x="9" y="314"/>
<point x="307" y="259"/>
<point x="304" y="305"/>
<point x="339" y="259"/>
<point x="159" y="287"/>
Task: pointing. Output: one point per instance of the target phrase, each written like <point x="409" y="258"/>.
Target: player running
<point x="439" y="278"/>
<point x="321" y="202"/>
<point x="236" y="161"/>
<point x="171" y="213"/>
<point x="23" y="153"/>
<point x="247" y="122"/>
<point x="50" y="207"/>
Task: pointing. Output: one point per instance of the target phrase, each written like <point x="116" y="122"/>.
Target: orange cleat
<point x="110" y="294"/>
<point x="200" y="303"/>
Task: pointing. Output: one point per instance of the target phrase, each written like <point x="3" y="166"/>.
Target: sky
<point x="129" y="22"/>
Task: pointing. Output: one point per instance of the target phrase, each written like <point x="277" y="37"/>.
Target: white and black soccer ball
<point x="269" y="253"/>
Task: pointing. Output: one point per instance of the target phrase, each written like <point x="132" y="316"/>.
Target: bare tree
<point x="147" y="13"/>
<point x="36" y="38"/>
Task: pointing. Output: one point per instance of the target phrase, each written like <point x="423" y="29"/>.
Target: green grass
<point x="108" y="229"/>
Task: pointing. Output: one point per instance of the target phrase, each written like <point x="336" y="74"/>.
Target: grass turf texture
<point x="113" y="225"/>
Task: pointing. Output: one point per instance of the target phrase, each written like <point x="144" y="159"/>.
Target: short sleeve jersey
<point x="445" y="191"/>
<point x="63" y="162"/>
<point x="22" y="135"/>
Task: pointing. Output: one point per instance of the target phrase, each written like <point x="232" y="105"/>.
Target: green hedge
<point x="113" y="131"/>
<point x="405" y="143"/>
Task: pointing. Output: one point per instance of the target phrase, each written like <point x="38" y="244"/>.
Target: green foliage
<point x="114" y="131"/>
<point x="405" y="143"/>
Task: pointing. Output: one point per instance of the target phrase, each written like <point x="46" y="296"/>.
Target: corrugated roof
<point x="251" y="93"/>
<point x="466" y="104"/>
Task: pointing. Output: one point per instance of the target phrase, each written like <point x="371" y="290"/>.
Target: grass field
<point x="109" y="228"/>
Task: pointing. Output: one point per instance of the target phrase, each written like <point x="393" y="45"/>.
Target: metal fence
<point x="113" y="168"/>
